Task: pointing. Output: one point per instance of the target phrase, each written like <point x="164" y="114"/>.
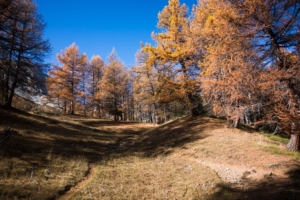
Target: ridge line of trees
<point x="237" y="59"/>
<point x="241" y="59"/>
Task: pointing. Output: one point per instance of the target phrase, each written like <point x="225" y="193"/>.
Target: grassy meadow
<point x="75" y="157"/>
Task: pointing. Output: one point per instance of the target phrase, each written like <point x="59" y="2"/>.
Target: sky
<point x="98" y="26"/>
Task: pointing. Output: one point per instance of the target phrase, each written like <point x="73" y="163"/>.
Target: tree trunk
<point x="7" y="89"/>
<point x="65" y="107"/>
<point x="236" y="122"/>
<point x="293" y="144"/>
<point x="116" y="117"/>
<point x="195" y="112"/>
<point x="72" y="108"/>
<point x="16" y="77"/>
<point x="194" y="104"/>
<point x="191" y="101"/>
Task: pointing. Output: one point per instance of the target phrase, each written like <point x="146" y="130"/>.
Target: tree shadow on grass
<point x="270" y="188"/>
<point x="41" y="135"/>
<point x="98" y="123"/>
<point x="177" y="134"/>
<point x="37" y="137"/>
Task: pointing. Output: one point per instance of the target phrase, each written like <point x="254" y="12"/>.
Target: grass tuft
<point x="276" y="150"/>
<point x="277" y="138"/>
<point x="135" y="177"/>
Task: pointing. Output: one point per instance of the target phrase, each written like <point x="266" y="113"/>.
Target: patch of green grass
<point x="277" y="138"/>
<point x="276" y="150"/>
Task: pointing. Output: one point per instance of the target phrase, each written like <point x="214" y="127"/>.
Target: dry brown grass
<point x="189" y="158"/>
<point x="23" y="180"/>
<point x="136" y="177"/>
<point x="45" y="155"/>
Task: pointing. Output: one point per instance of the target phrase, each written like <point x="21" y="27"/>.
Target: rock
<point x="46" y="172"/>
<point x="245" y="174"/>
<point x="274" y="166"/>
<point x="270" y="176"/>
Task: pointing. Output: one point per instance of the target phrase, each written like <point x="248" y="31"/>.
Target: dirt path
<point x="234" y="166"/>
<point x="132" y="133"/>
<point x="236" y="156"/>
<point x="79" y="186"/>
<point x="234" y="174"/>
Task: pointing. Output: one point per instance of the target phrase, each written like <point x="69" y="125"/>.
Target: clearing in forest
<point x="71" y="157"/>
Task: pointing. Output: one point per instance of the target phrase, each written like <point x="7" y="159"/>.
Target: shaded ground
<point x="198" y="157"/>
<point x="65" y="136"/>
<point x="44" y="157"/>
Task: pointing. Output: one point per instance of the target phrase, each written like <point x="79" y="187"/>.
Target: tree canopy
<point x="236" y="59"/>
<point x="22" y="47"/>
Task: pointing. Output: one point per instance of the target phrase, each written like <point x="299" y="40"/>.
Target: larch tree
<point x="276" y="25"/>
<point x="5" y="14"/>
<point x="252" y="59"/>
<point x="228" y="76"/>
<point x="175" y="57"/>
<point x="57" y="88"/>
<point x="113" y="87"/>
<point x="145" y="82"/>
<point x="83" y="93"/>
<point x="22" y="48"/>
<point x="96" y="67"/>
<point x="67" y="77"/>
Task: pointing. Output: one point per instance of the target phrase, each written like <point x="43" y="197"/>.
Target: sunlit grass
<point x="45" y="157"/>
<point x="136" y="177"/>
<point x="276" y="150"/>
<point x="277" y="138"/>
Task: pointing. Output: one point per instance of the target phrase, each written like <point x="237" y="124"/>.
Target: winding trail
<point x="234" y="155"/>
<point x="121" y="145"/>
<point x="79" y="186"/>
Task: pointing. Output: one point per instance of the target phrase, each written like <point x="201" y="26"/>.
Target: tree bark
<point x="236" y="122"/>
<point x="293" y="144"/>
<point x="65" y="107"/>
<point x="191" y="101"/>
<point x="72" y="108"/>
<point x="194" y="110"/>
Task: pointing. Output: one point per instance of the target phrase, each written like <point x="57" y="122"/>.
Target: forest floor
<point x="72" y="157"/>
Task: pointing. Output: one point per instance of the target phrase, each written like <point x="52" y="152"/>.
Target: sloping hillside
<point x="189" y="158"/>
<point x="45" y="155"/>
<point x="252" y="165"/>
